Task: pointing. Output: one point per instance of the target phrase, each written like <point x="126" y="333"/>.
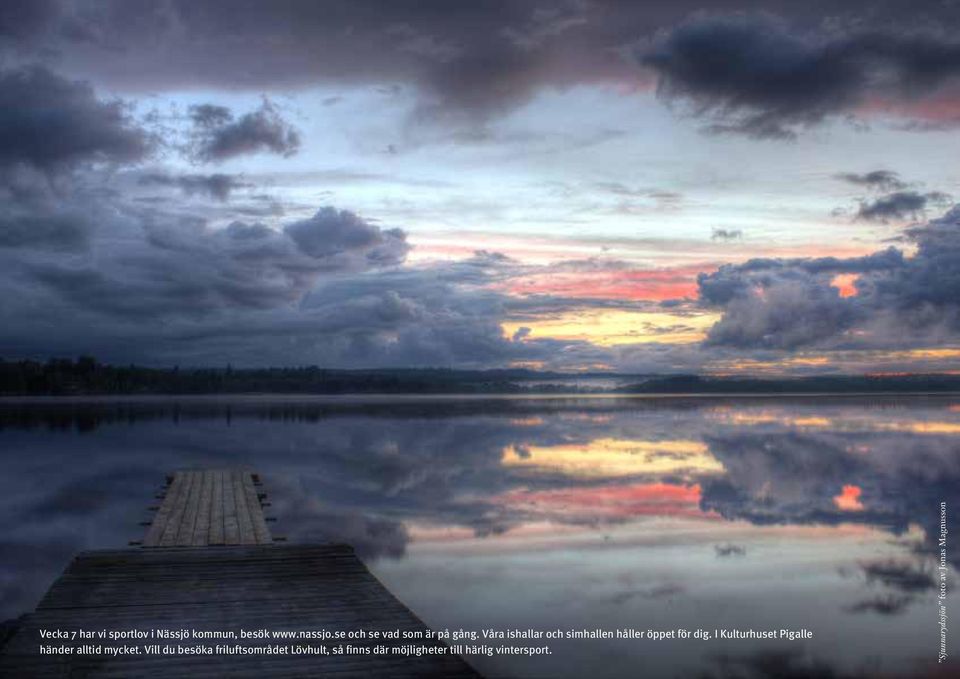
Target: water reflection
<point x="491" y="512"/>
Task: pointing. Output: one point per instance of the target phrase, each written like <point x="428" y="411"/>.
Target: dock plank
<point x="209" y="564"/>
<point x="245" y="525"/>
<point x="288" y="587"/>
<point x="177" y="511"/>
<point x="209" y="507"/>
<point x="201" y="530"/>
<point x="260" y="530"/>
<point x="216" y="508"/>
<point x="161" y="518"/>
<point x="191" y="511"/>
<point x="231" y="525"/>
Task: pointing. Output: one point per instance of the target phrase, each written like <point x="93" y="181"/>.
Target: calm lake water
<point x="651" y="513"/>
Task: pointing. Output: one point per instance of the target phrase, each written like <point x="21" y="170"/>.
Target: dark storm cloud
<point x="463" y="59"/>
<point x="784" y="304"/>
<point x="730" y="281"/>
<point x="467" y="61"/>
<point x="49" y="231"/>
<point x="900" y="206"/>
<point x="754" y="75"/>
<point x="42" y="213"/>
<point x="210" y="116"/>
<point x="413" y="317"/>
<point x="790" y="313"/>
<point x="20" y="18"/>
<point x="217" y="186"/>
<point x="932" y="277"/>
<point x="331" y="231"/>
<point x="178" y="288"/>
<point x="52" y="123"/>
<point x="877" y="180"/>
<point x="791" y="303"/>
<point x="218" y="136"/>
<point x="185" y="268"/>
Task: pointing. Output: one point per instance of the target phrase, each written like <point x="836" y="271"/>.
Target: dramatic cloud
<point x="218" y="136"/>
<point x="52" y="230"/>
<point x="901" y="205"/>
<point x="330" y="232"/>
<point x="732" y="280"/>
<point x="124" y="256"/>
<point x="218" y="186"/>
<point x="877" y="180"/>
<point x="124" y="275"/>
<point x="327" y="289"/>
<point x="52" y="123"/>
<point x="786" y="304"/>
<point x="474" y="61"/>
<point x="187" y="268"/>
<point x="751" y="74"/>
<point x="464" y="60"/>
<point x="787" y="313"/>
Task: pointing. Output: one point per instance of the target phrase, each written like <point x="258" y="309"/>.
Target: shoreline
<point x="400" y="396"/>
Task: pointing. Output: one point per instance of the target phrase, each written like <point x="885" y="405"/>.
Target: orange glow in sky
<point x="849" y="499"/>
<point x="652" y="284"/>
<point x="845" y="283"/>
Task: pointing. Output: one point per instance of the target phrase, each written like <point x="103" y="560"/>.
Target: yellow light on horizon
<point x="610" y="327"/>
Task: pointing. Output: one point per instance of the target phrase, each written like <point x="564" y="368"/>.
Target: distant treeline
<point x="827" y="384"/>
<point x="86" y="375"/>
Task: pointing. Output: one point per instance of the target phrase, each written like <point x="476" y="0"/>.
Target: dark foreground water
<point x="652" y="513"/>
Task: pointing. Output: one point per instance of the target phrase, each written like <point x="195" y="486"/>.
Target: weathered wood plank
<point x="306" y="587"/>
<point x="162" y="516"/>
<point x="212" y="507"/>
<point x="247" y="536"/>
<point x="216" y="509"/>
<point x="201" y="530"/>
<point x="172" y="530"/>
<point x="181" y="583"/>
<point x="231" y="526"/>
<point x="260" y="530"/>
<point x="190" y="512"/>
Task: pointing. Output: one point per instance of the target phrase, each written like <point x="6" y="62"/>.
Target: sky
<point x="724" y="187"/>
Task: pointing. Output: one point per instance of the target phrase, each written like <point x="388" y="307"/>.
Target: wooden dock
<point x="210" y="507"/>
<point x="207" y="569"/>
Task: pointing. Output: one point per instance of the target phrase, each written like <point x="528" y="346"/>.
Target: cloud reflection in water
<point x="622" y="508"/>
